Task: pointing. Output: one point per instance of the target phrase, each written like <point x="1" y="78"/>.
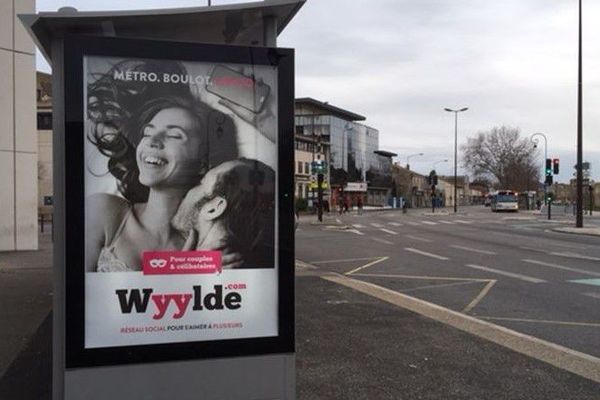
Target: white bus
<point x="504" y="200"/>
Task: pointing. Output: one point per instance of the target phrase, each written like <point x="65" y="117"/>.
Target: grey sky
<point x="400" y="62"/>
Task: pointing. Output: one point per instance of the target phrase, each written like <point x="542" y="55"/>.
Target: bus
<point x="504" y="200"/>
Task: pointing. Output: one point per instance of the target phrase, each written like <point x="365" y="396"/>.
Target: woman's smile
<point x="168" y="154"/>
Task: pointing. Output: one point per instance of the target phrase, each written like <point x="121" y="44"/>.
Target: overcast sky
<point x="400" y="62"/>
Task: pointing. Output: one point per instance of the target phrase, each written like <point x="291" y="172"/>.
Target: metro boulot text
<point x="137" y="300"/>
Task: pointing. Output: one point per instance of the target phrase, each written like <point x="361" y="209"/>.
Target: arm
<point x="103" y="215"/>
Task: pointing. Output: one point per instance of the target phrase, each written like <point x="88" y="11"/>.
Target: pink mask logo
<point x="157" y="263"/>
<point x="181" y="262"/>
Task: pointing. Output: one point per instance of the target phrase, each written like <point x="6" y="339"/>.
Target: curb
<point x="579" y="231"/>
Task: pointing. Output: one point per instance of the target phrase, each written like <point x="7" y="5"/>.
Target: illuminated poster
<point x="181" y="186"/>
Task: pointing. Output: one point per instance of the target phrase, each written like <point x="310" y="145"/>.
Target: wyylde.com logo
<point x="136" y="300"/>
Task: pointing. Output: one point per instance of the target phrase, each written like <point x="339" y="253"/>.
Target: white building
<point x="18" y="140"/>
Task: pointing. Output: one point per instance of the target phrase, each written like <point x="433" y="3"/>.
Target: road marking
<point x="480" y="296"/>
<point x="533" y="249"/>
<point x="358" y="226"/>
<point x="382" y="240"/>
<point x="440" y="285"/>
<point x="460" y="221"/>
<point x="581" y="271"/>
<point x="420" y="239"/>
<point x="575" y="255"/>
<point x="429" y="222"/>
<point x="592" y="294"/>
<point x="426" y="254"/>
<point x="562" y="357"/>
<point x="354" y="231"/>
<point x="593" y="282"/>
<point x="447" y="222"/>
<point x="388" y="231"/>
<point x="543" y="321"/>
<point x="430" y="278"/>
<point x="343" y="260"/>
<point x="303" y="265"/>
<point x="509" y="274"/>
<point x="395" y="224"/>
<point x="412" y="223"/>
<point x="376" y="225"/>
<point x="381" y="259"/>
<point x="472" y="249"/>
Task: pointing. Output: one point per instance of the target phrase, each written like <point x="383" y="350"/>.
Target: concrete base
<point x="257" y="378"/>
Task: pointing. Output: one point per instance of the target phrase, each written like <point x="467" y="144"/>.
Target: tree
<point x="504" y="157"/>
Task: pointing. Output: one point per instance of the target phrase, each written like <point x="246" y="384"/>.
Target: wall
<point x="18" y="140"/>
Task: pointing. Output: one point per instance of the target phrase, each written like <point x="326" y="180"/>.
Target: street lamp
<point x="408" y="159"/>
<point x="455" y="150"/>
<point x="436" y="163"/>
<point x="535" y="142"/>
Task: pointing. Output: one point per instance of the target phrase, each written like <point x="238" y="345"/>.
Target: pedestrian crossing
<point x="393" y="226"/>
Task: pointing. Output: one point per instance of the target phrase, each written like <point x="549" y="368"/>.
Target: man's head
<point x="239" y="196"/>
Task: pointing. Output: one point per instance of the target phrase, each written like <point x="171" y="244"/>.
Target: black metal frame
<point x="76" y="47"/>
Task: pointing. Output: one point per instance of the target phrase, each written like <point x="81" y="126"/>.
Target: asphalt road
<point x="509" y="269"/>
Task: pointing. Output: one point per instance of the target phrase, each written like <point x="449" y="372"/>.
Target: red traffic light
<point x="555" y="164"/>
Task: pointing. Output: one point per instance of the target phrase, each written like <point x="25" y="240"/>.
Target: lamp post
<point x="408" y="159"/>
<point x="535" y="143"/>
<point x="436" y="163"/>
<point x="456" y="151"/>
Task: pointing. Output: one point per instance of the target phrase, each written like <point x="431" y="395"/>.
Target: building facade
<point x="18" y="140"/>
<point x="355" y="172"/>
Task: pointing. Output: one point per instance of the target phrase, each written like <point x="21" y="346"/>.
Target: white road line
<point x="429" y="223"/>
<point x="382" y="240"/>
<point x="388" y="231"/>
<point x="395" y="224"/>
<point x="354" y="231"/>
<point x="342" y="260"/>
<point x="412" y="223"/>
<point x="460" y="221"/>
<point x="420" y="239"/>
<point x="480" y="296"/>
<point x="377" y="225"/>
<point x="592" y="294"/>
<point x="380" y="259"/>
<point x="358" y="226"/>
<point x="447" y="222"/>
<point x="545" y="264"/>
<point x="575" y="255"/>
<point x="491" y="253"/>
<point x="509" y="274"/>
<point x="543" y="321"/>
<point x="426" y="254"/>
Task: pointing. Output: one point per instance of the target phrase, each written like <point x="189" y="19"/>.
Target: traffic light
<point x="555" y="165"/>
<point x="549" y="180"/>
<point x="548" y="166"/>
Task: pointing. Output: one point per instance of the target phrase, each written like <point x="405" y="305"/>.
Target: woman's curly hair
<point x="118" y="109"/>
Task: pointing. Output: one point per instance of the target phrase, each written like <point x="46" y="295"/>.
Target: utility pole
<point x="579" y="218"/>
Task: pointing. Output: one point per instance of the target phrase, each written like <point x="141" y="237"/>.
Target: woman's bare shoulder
<point x="106" y="210"/>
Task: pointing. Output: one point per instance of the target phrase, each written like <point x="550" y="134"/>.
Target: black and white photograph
<point x="180" y="180"/>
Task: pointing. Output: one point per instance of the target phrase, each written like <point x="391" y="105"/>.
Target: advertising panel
<point x="185" y="186"/>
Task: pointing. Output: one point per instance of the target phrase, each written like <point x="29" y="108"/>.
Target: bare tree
<point x="505" y="157"/>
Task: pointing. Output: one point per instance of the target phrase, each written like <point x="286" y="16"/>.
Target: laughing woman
<point x="157" y="154"/>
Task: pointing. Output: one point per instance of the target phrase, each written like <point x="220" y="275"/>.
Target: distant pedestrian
<point x="359" y="204"/>
<point x="346" y="206"/>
